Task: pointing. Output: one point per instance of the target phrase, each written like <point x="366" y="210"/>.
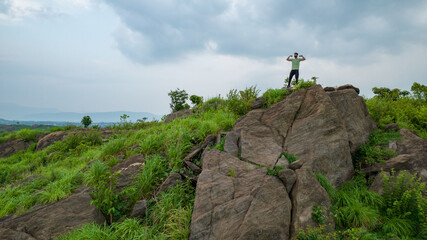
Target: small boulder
<point x="179" y="114"/>
<point x="377" y="184"/>
<point x="128" y="169"/>
<point x="50" y="139"/>
<point x="296" y="165"/>
<point x="171" y="181"/>
<point x="349" y="86"/>
<point x="329" y="89"/>
<point x="196" y="169"/>
<point x="288" y="178"/>
<point x="258" y="103"/>
<point x="391" y="127"/>
<point x="139" y="210"/>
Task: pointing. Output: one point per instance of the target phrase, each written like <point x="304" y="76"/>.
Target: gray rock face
<point x="56" y="218"/>
<point x="352" y="109"/>
<point x="306" y="194"/>
<point x="233" y="197"/>
<point x="288" y="178"/>
<point x="12" y="146"/>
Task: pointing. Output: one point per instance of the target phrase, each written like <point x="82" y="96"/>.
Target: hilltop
<point x="305" y="163"/>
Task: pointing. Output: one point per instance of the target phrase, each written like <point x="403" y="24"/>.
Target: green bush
<point x="272" y="96"/>
<point x="196" y="100"/>
<point x="375" y="150"/>
<point x="28" y="134"/>
<point x="86" y="121"/>
<point x="306" y="83"/>
<point x="240" y="102"/>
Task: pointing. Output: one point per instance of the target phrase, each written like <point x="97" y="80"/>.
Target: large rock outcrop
<point x="54" y="219"/>
<point x="236" y="199"/>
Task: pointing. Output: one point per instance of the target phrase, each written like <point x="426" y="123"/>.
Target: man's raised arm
<point x="303" y="58"/>
<point x="289" y="58"/>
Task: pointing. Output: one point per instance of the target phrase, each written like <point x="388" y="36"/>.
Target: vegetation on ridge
<point x="86" y="159"/>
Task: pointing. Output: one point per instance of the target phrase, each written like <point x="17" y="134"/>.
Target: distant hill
<point x="16" y="113"/>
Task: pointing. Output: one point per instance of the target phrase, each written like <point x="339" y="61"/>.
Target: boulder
<point x="179" y="114"/>
<point x="348" y="86"/>
<point x="193" y="167"/>
<point x="139" y="209"/>
<point x="237" y="200"/>
<point x="258" y="103"/>
<point x="173" y="180"/>
<point x="128" y="169"/>
<point x="55" y="219"/>
<point x="306" y="194"/>
<point x="353" y="111"/>
<point x="377" y="184"/>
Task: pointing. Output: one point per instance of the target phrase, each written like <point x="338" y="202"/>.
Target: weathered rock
<point x="319" y="138"/>
<point x="12" y="146"/>
<point x="179" y="114"/>
<point x="237" y="200"/>
<point x="282" y="162"/>
<point x="296" y="165"/>
<point x="258" y="103"/>
<point x="171" y="181"/>
<point x="128" y="169"/>
<point x="209" y="141"/>
<point x="377" y="184"/>
<point x="391" y="127"/>
<point x="193" y="154"/>
<point x="329" y="89"/>
<point x="50" y="139"/>
<point x="412" y="156"/>
<point x="139" y="210"/>
<point x="306" y="194"/>
<point x="196" y="169"/>
<point x="288" y="178"/>
<point x="348" y="86"/>
<point x="9" y="234"/>
<point x="231" y="144"/>
<point x="56" y="218"/>
<point x="353" y="111"/>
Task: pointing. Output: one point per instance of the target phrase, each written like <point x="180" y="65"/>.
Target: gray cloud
<point x="155" y="31"/>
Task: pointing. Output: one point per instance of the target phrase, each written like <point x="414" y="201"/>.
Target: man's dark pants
<point x="293" y="72"/>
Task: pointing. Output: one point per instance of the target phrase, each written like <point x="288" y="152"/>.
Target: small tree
<point x="196" y="100"/>
<point x="178" y="98"/>
<point x="86" y="121"/>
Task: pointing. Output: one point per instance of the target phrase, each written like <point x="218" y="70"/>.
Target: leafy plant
<point x="178" y="99"/>
<point x="306" y="83"/>
<point x="86" y="121"/>
<point x="196" y="100"/>
<point x="231" y="172"/>
<point x="240" y="102"/>
<point x="272" y="96"/>
<point x="319" y="214"/>
<point x="291" y="158"/>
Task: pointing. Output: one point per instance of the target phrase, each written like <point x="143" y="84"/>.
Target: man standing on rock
<point x="295" y="67"/>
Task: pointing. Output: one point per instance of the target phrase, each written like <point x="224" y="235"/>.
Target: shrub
<point x="196" y="100"/>
<point x="240" y="102"/>
<point x="27" y="134"/>
<point x="306" y="83"/>
<point x="272" y="96"/>
<point x="319" y="214"/>
<point x="178" y="99"/>
<point x="86" y="121"/>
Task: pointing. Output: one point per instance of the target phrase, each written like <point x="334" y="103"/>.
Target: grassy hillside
<point x="86" y="159"/>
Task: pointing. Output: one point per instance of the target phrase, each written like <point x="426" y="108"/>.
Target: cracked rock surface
<point x="236" y="199"/>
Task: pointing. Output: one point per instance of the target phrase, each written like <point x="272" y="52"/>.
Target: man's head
<point x="296" y="55"/>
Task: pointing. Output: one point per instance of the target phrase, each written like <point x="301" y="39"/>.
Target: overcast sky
<point x="110" y="55"/>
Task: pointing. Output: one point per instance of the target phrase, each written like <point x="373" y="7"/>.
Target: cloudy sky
<point x="109" y="55"/>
